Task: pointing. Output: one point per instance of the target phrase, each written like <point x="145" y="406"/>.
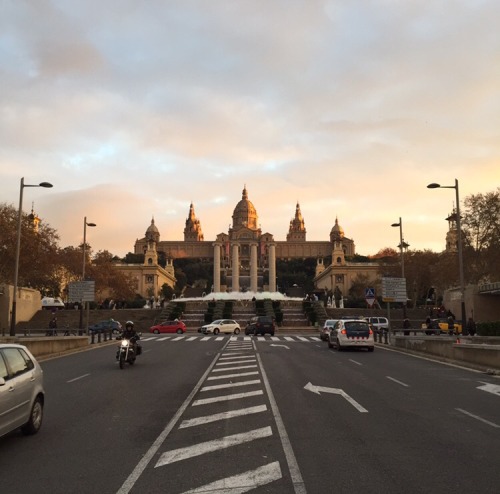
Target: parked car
<point x="168" y="327"/>
<point x="351" y="333"/>
<point x="52" y="303"/>
<point x="261" y="325"/>
<point x="379" y="323"/>
<point x="325" y="330"/>
<point x="22" y="395"/>
<point x="102" y="326"/>
<point x="221" y="326"/>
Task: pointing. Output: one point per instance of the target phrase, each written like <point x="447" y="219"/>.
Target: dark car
<point x="261" y="325"/>
<point x="101" y="327"/>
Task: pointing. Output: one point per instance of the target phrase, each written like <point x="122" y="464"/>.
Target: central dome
<point x="244" y="214"/>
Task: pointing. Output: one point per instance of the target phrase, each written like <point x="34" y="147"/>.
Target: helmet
<point x="129" y="324"/>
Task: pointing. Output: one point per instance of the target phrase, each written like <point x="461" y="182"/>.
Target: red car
<point x="168" y="327"/>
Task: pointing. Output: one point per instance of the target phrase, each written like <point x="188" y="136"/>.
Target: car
<point x="221" y="326"/>
<point x="351" y="333"/>
<point x="22" y="395"/>
<point x="379" y="323"/>
<point x="52" y="303"/>
<point x="109" y="325"/>
<point x="175" y="326"/>
<point x="325" y="330"/>
<point x="440" y="325"/>
<point x="261" y="325"/>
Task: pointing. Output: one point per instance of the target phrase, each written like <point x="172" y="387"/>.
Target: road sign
<point x="81" y="291"/>
<point x="370" y="295"/>
<point x="394" y="290"/>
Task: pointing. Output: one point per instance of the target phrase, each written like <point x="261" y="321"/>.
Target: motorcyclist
<point x="129" y="333"/>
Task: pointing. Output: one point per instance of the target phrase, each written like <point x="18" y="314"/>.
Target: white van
<point x="52" y="303"/>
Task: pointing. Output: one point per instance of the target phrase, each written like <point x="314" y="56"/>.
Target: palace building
<point x="244" y="258"/>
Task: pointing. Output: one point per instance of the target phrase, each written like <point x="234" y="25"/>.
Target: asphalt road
<point x="229" y="415"/>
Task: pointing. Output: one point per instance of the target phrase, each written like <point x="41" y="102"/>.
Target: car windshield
<point x="218" y="321"/>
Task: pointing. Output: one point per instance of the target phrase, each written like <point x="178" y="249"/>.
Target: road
<point x="236" y="414"/>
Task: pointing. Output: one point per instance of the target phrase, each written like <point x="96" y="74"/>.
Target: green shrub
<point x="488" y="328"/>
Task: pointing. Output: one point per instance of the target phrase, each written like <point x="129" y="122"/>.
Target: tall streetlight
<point x="401" y="246"/>
<point x="18" y="250"/>
<point x="85" y="225"/>
<point x="460" y="254"/>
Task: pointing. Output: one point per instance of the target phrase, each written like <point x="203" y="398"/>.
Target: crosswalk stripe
<point x="301" y="338"/>
<point x="206" y="338"/>
<point x="242" y="412"/>
<point x="211" y="446"/>
<point x="237" y="357"/>
<point x="228" y="376"/>
<point x="219" y="338"/>
<point x="275" y="338"/>
<point x="240" y="362"/>
<point x="178" y="338"/>
<point x="235" y="396"/>
<point x="164" y="338"/>
<point x="191" y="338"/>
<point x="243" y="482"/>
<point x="230" y="385"/>
<point x="288" y="338"/>
<point x="224" y="369"/>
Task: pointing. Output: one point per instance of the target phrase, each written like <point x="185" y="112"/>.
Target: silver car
<point x="221" y="326"/>
<point x="22" y="396"/>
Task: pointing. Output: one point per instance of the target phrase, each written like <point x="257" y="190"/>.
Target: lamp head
<point x="45" y="184"/>
<point x="433" y="186"/>
<point x="396" y="224"/>
<point x="91" y="224"/>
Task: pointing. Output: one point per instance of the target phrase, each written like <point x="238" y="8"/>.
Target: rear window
<point x="266" y="320"/>
<point x="357" y="328"/>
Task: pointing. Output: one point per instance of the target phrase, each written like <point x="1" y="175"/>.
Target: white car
<point x="22" y="396"/>
<point x="221" y="326"/>
<point x="352" y="333"/>
<point x="325" y="330"/>
<point x="52" y="303"/>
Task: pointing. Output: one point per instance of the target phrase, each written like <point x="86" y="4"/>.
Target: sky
<point x="133" y="110"/>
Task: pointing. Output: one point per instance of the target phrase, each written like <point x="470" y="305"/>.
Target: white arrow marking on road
<point x="238" y="484"/>
<point x="336" y="391"/>
<point x="284" y="346"/>
<point x="210" y="446"/>
<point x="490" y="388"/>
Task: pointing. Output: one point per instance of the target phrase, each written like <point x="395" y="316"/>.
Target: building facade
<point x="244" y="258"/>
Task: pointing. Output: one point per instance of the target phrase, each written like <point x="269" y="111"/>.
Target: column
<point x="272" y="267"/>
<point x="253" y="267"/>
<point x="236" y="268"/>
<point x="216" y="267"/>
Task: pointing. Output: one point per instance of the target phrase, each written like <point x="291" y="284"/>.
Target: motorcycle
<point x="127" y="352"/>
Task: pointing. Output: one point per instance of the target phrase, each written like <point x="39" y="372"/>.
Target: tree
<point x="481" y="231"/>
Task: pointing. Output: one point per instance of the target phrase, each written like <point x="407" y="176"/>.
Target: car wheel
<point x="179" y="331"/>
<point x="216" y="331"/>
<point x="35" y="421"/>
<point x="156" y="331"/>
<point x="237" y="331"/>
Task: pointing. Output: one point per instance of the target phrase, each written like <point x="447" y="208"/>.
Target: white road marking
<point x="355" y="362"/>
<point x="244" y="482"/>
<point x="227" y="376"/>
<point x="78" y="378"/>
<point x="150" y="338"/>
<point x="237" y="357"/>
<point x="222" y="416"/>
<point x="301" y="338"/>
<point x="210" y="446"/>
<point x="396" y="381"/>
<point x="490" y="388"/>
<point x="235" y="368"/>
<point x="206" y="338"/>
<point x="164" y="338"/>
<point x="315" y="338"/>
<point x="230" y="385"/>
<point x="178" y="338"/>
<point x="293" y="466"/>
<point x="247" y="338"/>
<point x="275" y="338"/>
<point x="240" y="362"/>
<point x="322" y="389"/>
<point x="235" y="396"/>
<point x="288" y="338"/>
<point x="284" y="346"/>
<point x="219" y="338"/>
<point x="478" y="418"/>
<point x="191" y="338"/>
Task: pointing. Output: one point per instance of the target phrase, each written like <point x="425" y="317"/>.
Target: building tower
<point x="192" y="230"/>
<point x="297" y="230"/>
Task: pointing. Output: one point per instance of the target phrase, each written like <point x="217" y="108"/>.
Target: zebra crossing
<point x="204" y="338"/>
<point x="233" y="389"/>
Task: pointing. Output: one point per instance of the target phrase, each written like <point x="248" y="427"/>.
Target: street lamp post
<point x="460" y="253"/>
<point x="85" y="225"/>
<point x="18" y="250"/>
<point x="401" y="246"/>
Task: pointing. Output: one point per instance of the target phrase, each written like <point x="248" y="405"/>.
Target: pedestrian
<point x="52" y="327"/>
<point x="471" y="326"/>
<point x="406" y="325"/>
